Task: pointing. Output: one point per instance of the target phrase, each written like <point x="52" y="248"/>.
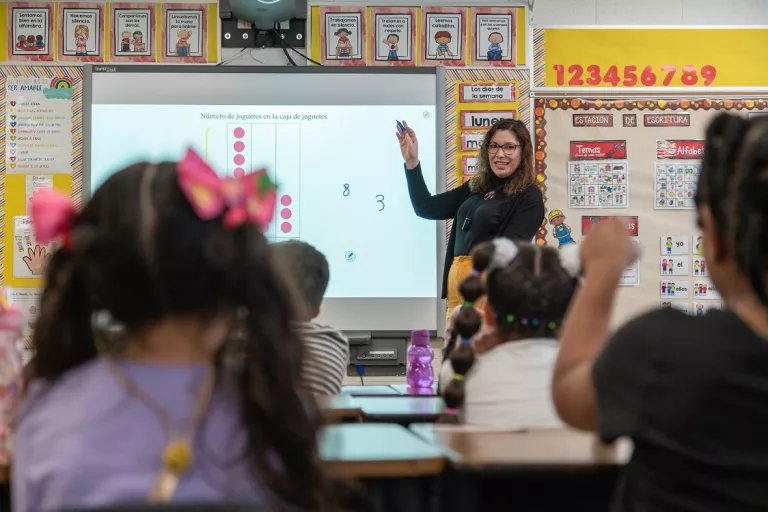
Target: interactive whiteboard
<point x="327" y="136"/>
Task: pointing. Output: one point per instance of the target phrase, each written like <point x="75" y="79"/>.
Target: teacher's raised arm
<point x="501" y="200"/>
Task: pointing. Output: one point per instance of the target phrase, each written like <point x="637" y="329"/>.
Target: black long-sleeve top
<point x="490" y="216"/>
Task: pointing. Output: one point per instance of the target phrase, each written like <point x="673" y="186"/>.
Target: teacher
<point x="501" y="200"/>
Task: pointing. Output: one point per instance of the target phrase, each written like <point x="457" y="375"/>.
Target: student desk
<point x="368" y="391"/>
<point x="543" y="470"/>
<point x="339" y="408"/>
<point x="406" y="390"/>
<point x="396" y="466"/>
<point x="402" y="410"/>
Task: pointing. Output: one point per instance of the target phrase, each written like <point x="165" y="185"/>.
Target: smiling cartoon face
<point x="496" y="38"/>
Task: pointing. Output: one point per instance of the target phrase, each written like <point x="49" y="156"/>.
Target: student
<point x="689" y="390"/>
<point x="528" y="291"/>
<point x="327" y="350"/>
<point x="130" y="400"/>
<point x="10" y="374"/>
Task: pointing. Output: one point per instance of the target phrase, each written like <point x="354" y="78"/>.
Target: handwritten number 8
<point x="345" y="193"/>
<point x="380" y="200"/>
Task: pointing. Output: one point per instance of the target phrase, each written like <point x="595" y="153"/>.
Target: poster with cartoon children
<point x="184" y="33"/>
<point x="31" y="32"/>
<point x="673" y="289"/>
<point x="82" y="35"/>
<point x="393" y="36"/>
<point x="443" y="34"/>
<point x="343" y="36"/>
<point x="494" y="33"/>
<point x="560" y="229"/>
<point x="132" y="32"/>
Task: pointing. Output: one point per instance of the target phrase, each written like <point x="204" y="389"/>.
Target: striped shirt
<point x="327" y="358"/>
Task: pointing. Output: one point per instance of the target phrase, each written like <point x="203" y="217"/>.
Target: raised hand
<point x="608" y="248"/>
<point x="409" y="146"/>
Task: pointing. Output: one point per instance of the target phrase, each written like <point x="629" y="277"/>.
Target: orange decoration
<point x="539" y="111"/>
<point x="619" y="103"/>
<point x="575" y="103"/>
<point x="539" y="155"/>
<point x="553" y="103"/>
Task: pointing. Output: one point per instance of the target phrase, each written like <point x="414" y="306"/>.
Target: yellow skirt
<point x="461" y="267"/>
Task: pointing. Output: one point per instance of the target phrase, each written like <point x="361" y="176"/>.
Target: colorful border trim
<point x="539" y="62"/>
<point x="541" y="105"/>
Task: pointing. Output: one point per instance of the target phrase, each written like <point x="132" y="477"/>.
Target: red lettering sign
<point x="679" y="149"/>
<point x="592" y="119"/>
<point x="598" y="149"/>
<point x="589" y="222"/>
<point x="667" y="120"/>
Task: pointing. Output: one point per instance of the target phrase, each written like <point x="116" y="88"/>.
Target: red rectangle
<point x="598" y="149"/>
<point x="469" y="165"/>
<point x="585" y="120"/>
<point x="473" y="140"/>
<point x="589" y="222"/>
<point x="679" y="149"/>
<point x="667" y="120"/>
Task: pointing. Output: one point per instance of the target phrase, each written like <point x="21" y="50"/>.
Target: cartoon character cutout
<point x="669" y="245"/>
<point x="671" y="265"/>
<point x="696" y="267"/>
<point x="138" y="42"/>
<point x="495" y="50"/>
<point x="391" y="41"/>
<point x="125" y="41"/>
<point x="182" y="45"/>
<point x="663" y="288"/>
<point x="81" y="40"/>
<point x="344" y="45"/>
<point x="560" y="229"/>
<point x="443" y="38"/>
<point x="664" y="266"/>
<point x="700" y="245"/>
<point x="30" y="43"/>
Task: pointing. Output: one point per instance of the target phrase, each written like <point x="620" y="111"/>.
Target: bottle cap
<point x="420" y="338"/>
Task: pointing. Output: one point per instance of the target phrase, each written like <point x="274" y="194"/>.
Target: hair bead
<point x="469" y="304"/>
<point x="552" y="325"/>
<point x="458" y="376"/>
<point x="466" y="341"/>
<point x="510" y="319"/>
<point x="535" y="322"/>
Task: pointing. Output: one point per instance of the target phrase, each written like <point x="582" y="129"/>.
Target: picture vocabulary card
<point x="31" y="31"/>
<point x="494" y="36"/>
<point x="393" y="36"/>
<point x="81" y="34"/>
<point x="132" y="32"/>
<point x="443" y="36"/>
<point x="342" y="33"/>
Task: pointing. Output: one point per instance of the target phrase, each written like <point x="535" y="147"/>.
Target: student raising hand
<point x="608" y="249"/>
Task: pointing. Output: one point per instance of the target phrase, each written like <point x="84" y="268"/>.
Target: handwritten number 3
<point x="380" y="200"/>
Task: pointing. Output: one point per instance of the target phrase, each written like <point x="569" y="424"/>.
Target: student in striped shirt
<point x="327" y="350"/>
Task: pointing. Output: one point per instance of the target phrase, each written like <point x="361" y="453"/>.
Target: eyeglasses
<point x="494" y="148"/>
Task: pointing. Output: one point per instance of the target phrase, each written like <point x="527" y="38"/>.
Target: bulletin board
<point x="636" y="158"/>
<point x="46" y="32"/>
<point x="41" y="146"/>
<point x="478" y="36"/>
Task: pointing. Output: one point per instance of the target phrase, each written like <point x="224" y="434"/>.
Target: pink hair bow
<point x="52" y="216"/>
<point x="251" y="197"/>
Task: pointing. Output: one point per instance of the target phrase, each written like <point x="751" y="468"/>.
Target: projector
<point x="264" y="14"/>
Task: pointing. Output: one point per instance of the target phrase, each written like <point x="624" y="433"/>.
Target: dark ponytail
<point x="467" y="323"/>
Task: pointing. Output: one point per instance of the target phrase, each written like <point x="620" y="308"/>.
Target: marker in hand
<point x="401" y="127"/>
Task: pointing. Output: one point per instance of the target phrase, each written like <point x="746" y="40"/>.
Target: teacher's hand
<point x="409" y="146"/>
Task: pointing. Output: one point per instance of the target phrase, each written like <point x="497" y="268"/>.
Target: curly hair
<point x="524" y="176"/>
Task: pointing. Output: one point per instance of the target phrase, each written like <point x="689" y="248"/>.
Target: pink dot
<point x="285" y="227"/>
<point x="239" y="146"/>
<point x="239" y="133"/>
<point x="285" y="213"/>
<point x="239" y="159"/>
<point x="286" y="200"/>
<point x="239" y="173"/>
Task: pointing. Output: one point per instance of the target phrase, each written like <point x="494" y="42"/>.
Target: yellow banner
<point x="651" y="57"/>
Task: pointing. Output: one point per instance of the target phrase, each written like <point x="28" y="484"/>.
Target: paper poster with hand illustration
<point x="393" y="35"/>
<point x="494" y="34"/>
<point x="29" y="256"/>
<point x="443" y="33"/>
<point x="81" y="37"/>
<point x="28" y="302"/>
<point x="184" y="33"/>
<point x="132" y="31"/>
<point x="30" y="31"/>
<point x="343" y="36"/>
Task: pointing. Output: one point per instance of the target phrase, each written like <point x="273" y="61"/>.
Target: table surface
<point x="339" y="408"/>
<point x="483" y="449"/>
<point x="377" y="451"/>
<point x="401" y="407"/>
<point x="406" y="390"/>
<point x="368" y="391"/>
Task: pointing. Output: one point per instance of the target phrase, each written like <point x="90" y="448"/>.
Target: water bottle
<point x="420" y="374"/>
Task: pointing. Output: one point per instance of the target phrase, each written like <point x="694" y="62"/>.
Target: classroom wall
<point x="582" y="12"/>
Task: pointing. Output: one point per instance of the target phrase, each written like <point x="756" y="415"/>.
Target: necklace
<point x="177" y="456"/>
